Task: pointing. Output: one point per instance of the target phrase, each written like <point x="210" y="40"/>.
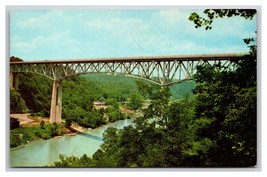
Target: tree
<point x="135" y="101"/>
<point x="15" y="59"/>
<point x="212" y="14"/>
<point x="83" y="161"/>
<point x="107" y="155"/>
<point x="36" y="92"/>
<point x="55" y="129"/>
<point x="17" y="104"/>
<point x="42" y="124"/>
<point x="226" y="104"/>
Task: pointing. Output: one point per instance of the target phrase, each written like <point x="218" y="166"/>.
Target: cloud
<point x="111" y="23"/>
<point x="50" y="39"/>
<point x="39" y="47"/>
<point x="172" y="17"/>
<point x="40" y="19"/>
<point x="133" y="32"/>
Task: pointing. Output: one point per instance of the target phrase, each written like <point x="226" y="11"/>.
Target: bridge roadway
<point x="197" y="57"/>
<point x="162" y="70"/>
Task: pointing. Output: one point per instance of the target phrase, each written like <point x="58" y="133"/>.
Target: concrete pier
<point x="11" y="84"/>
<point x="56" y="102"/>
<point x="13" y="81"/>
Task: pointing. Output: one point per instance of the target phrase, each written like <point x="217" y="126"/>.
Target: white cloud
<point x="18" y="45"/>
<point x="172" y="16"/>
<point x="113" y="24"/>
<point x="41" y="20"/>
<point x="23" y="46"/>
<point x="50" y="39"/>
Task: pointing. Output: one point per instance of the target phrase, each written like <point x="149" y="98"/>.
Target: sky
<point x="74" y="34"/>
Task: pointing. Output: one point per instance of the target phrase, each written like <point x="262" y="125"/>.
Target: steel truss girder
<point x="158" y="71"/>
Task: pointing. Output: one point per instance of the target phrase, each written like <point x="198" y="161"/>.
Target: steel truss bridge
<point x="162" y="70"/>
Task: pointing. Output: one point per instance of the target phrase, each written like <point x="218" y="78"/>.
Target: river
<point x="45" y="152"/>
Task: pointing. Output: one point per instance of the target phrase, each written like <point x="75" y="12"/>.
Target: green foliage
<point x="112" y="102"/>
<point x="42" y="124"/>
<point x="144" y="88"/>
<point x="219" y="13"/>
<point x="182" y="90"/>
<point x="136" y="101"/>
<point x="36" y="92"/>
<point x="82" y="161"/>
<point x="242" y="117"/>
<point x="177" y="91"/>
<point x="114" y="114"/>
<point x="55" y="129"/>
<point x="78" y="96"/>
<point x="117" y="87"/>
<point x="23" y="135"/>
<point x="17" y="104"/>
<point x="226" y="112"/>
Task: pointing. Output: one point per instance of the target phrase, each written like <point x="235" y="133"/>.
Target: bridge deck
<point x="224" y="56"/>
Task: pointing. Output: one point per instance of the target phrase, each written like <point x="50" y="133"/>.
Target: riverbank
<point x="31" y="129"/>
<point x="42" y="153"/>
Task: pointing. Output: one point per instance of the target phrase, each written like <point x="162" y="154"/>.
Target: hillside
<point x="182" y="89"/>
<point x="120" y="86"/>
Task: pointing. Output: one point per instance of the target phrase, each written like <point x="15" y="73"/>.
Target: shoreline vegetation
<point x="31" y="129"/>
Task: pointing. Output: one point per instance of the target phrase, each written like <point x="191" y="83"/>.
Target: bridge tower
<point x="56" y="102"/>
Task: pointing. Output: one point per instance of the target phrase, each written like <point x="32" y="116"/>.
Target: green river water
<point x="45" y="152"/>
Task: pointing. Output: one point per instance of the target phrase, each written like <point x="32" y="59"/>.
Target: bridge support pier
<point x="56" y="102"/>
<point x="13" y="81"/>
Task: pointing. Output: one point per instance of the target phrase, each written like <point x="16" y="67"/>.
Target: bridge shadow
<point x="98" y="138"/>
<point x="91" y="136"/>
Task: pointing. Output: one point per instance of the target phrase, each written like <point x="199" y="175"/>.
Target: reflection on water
<point x="45" y="152"/>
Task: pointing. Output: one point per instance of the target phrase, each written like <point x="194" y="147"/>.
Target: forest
<point x="217" y="128"/>
<point x="211" y="122"/>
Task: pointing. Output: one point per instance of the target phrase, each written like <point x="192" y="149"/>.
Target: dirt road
<point x="27" y="120"/>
